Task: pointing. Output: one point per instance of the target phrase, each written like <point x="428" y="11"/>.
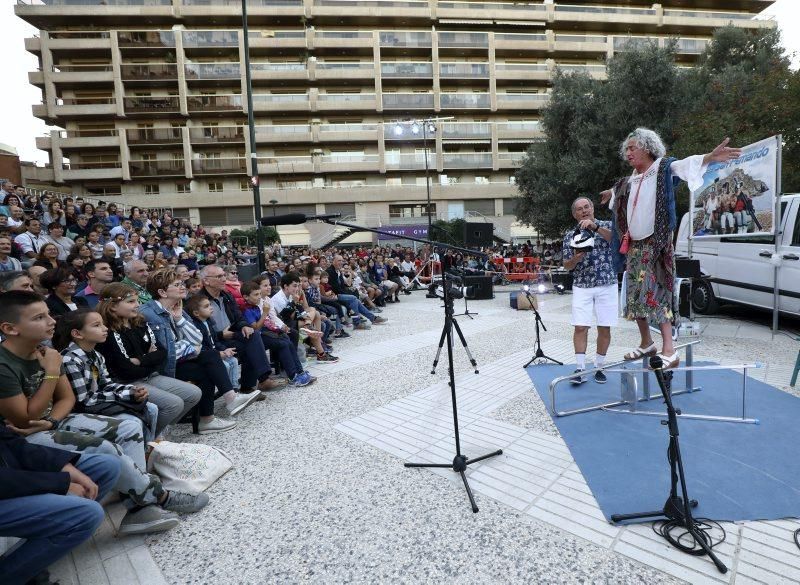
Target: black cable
<point x="797" y="537"/>
<point x="685" y="541"/>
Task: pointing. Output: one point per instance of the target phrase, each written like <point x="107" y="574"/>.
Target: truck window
<point x="796" y="233"/>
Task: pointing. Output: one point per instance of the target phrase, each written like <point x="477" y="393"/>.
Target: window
<point x="482" y="180"/>
<point x="411" y="210"/>
<point x="245" y="185"/>
<point x="394" y="181"/>
<point x="214" y="187"/>
<point x="151" y="189"/>
<point x="510" y="206"/>
<point x="183" y="187"/>
<point x="346" y="209"/>
<point x="480" y="206"/>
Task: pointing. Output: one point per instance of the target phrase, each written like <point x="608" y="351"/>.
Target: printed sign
<point x="738" y="196"/>
<point x="414" y="231"/>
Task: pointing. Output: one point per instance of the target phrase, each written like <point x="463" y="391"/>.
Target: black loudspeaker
<point x="481" y="285"/>
<point x="477" y="235"/>
<point x="247" y="272"/>
<point x="685" y="268"/>
<point x="685" y="299"/>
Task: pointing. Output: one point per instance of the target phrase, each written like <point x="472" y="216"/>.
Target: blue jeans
<point x="52" y="525"/>
<point x="352" y="303"/>
<point x="285" y="351"/>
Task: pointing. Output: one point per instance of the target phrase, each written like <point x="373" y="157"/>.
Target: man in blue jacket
<point x="49" y="498"/>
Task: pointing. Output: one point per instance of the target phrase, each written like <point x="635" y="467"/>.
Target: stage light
<point x="431" y="128"/>
<point x="542" y="289"/>
<point x="526" y="288"/>
<point x="415" y="128"/>
<point x="559" y="288"/>
<point x="398" y="130"/>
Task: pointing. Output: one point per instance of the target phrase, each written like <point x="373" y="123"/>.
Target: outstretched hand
<point x="723" y="153"/>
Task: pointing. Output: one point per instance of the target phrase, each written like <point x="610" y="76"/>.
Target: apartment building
<point x="150" y="95"/>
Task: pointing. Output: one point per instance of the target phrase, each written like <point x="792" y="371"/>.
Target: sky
<point x="19" y="128"/>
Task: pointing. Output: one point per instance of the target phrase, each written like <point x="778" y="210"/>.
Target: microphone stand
<point x="677" y="509"/>
<point x="460" y="461"/>
<point x="539" y="353"/>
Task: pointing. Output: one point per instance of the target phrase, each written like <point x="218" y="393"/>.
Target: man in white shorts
<point x="594" y="287"/>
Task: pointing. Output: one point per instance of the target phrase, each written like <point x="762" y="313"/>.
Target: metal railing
<point x="153" y="135"/>
<point x="93" y="67"/>
<point x="284" y="129"/>
<point x="65" y="134"/>
<point x="135" y="38"/>
<point x="85" y="101"/>
<point x="465" y="100"/>
<point x="401" y="69"/>
<point x="345" y="66"/>
<point x="216" y="165"/>
<point x="478" y="70"/>
<point x="212" y="70"/>
<point x="86" y="165"/>
<point x="277" y="98"/>
<point x="463" y="39"/>
<point x="214" y="102"/>
<point x="341" y="34"/>
<point x="466" y="130"/>
<point x="210" y="38"/>
<point x="79" y="34"/>
<point x="606" y="10"/>
<point x="152" y="104"/>
<point x="407" y="100"/>
<point x="355" y="127"/>
<point x="581" y="39"/>
<point x="345" y="97"/>
<point x="216" y="134"/>
<point x="406" y="39"/>
<point x="151" y="168"/>
<point x="149" y="71"/>
<point x="466" y="160"/>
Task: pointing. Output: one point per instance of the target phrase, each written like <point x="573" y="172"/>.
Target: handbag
<point x="137" y="409"/>
<point x="188" y="467"/>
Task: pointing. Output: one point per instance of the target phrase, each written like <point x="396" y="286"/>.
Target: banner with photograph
<point x="738" y="196"/>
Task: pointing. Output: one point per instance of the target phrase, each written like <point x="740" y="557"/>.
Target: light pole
<point x="273" y="202"/>
<point x="253" y="150"/>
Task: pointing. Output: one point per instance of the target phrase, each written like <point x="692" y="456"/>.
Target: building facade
<point x="150" y="95"/>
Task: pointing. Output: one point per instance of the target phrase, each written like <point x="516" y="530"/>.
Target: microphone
<point x="295" y="218"/>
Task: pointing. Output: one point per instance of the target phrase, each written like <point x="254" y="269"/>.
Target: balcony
<point x="466" y="130"/>
<point x="152" y="105"/>
<point x="79" y="107"/>
<point x="581" y="44"/>
<point x="405" y="39"/>
<point x="467" y="160"/>
<point x="348" y="132"/>
<point x="345" y="70"/>
<point x="465" y="100"/>
<point x="623" y="43"/>
<point x="520" y="42"/>
<point x="593" y="71"/>
<point x="157" y="168"/>
<point x="408" y="161"/>
<point x="216" y="166"/>
<point x="272" y="102"/>
<point x="83" y="171"/>
<point x="401" y="8"/>
<point x="342" y="39"/>
<point x="279" y="39"/>
<point x="216" y="134"/>
<point x="524" y="101"/>
<point x="345" y="162"/>
<point x="407" y="101"/>
<point x="522" y="72"/>
<point x="617" y="18"/>
<point x="153" y="136"/>
<point x="270" y="71"/>
<point x="214" y="103"/>
<point x="210" y="71"/>
<point x="285" y="164"/>
<point x="463" y="40"/>
<point x="80" y="139"/>
<point x="149" y="39"/>
<point x="691" y="46"/>
<point x="464" y="70"/>
<point x="80" y="74"/>
<point x="230" y="12"/>
<point x="149" y="71"/>
<point x="44" y="14"/>
<point x="489" y="10"/>
<point x="705" y="22"/>
<point x="208" y="39"/>
<point x="284" y="133"/>
<point x="77" y="42"/>
<point x="519" y="130"/>
<point x="406" y="70"/>
<point x="510" y="160"/>
<point x="346" y="101"/>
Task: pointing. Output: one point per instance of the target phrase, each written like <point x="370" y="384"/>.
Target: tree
<point x="270" y="235"/>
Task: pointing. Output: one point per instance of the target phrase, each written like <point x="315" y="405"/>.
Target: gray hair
<point x="574" y="201"/>
<point x="647" y="140"/>
<point x="8" y="278"/>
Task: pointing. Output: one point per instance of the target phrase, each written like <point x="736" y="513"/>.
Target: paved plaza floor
<point x="319" y="493"/>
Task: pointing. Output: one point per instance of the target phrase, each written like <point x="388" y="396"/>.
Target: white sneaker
<point x="241" y="402"/>
<point x="216" y="425"/>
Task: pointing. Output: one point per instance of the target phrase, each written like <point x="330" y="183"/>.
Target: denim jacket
<point x="181" y="339"/>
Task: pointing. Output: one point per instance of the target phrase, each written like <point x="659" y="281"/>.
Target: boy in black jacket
<point x="48" y="497"/>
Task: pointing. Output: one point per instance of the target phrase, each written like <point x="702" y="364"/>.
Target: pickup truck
<point x="740" y="269"/>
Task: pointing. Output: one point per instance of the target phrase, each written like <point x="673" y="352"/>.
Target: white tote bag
<point x="188" y="467"/>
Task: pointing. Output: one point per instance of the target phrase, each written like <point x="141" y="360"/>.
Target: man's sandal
<point x="670" y="361"/>
<point x="641" y="352"/>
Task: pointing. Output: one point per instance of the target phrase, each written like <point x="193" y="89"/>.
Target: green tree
<point x="448" y="232"/>
<point x="270" y="235"/>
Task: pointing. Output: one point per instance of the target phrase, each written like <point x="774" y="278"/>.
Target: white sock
<point x="229" y="396"/>
<point x="598" y="360"/>
<point x="580" y="360"/>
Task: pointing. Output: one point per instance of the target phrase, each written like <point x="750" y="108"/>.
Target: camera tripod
<point x="539" y="355"/>
<point x="460" y="461"/>
<point x="677" y="509"/>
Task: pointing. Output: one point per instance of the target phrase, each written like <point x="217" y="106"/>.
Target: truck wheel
<point x="703" y="300"/>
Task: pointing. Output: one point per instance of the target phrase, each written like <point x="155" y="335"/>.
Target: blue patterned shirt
<point x="597" y="267"/>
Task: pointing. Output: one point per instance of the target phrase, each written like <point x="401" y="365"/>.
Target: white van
<point x="740" y="269"/>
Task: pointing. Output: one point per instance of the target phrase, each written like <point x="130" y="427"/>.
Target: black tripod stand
<point x="677" y="509"/>
<point x="460" y="461"/>
<point x="539" y="355"/>
<point x="466" y="313"/>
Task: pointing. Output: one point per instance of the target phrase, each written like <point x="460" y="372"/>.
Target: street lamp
<point x="273" y="202"/>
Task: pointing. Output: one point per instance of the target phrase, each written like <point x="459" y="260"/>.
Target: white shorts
<point x="603" y="299"/>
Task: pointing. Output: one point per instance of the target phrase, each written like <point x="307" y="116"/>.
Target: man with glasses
<point x="234" y="332"/>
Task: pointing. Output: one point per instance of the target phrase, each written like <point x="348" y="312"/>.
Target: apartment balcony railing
<point x="214" y="134"/>
<point x="283" y="133"/>
<point x="101" y="133"/>
<point x="464" y="160"/>
<point x="349" y="157"/>
<point x="276" y="67"/>
<point x="475" y="130"/>
<point x="513" y="127"/>
<point x="463" y="40"/>
<point x="388" y="4"/>
<point x="520" y="41"/>
<point x="522" y="69"/>
<point x="348" y="132"/>
<point x="276" y="34"/>
<point x="90" y="68"/>
<point x="219" y="165"/>
<point x="211" y="39"/>
<point x="352" y="99"/>
<point x="155" y="38"/>
<point x="407" y="39"/>
<point x="566" y="8"/>
<point x="407" y="100"/>
<point x="494" y="6"/>
<point x="155" y="104"/>
<point x="345" y="66"/>
<point x="348" y="162"/>
<point x="464" y="70"/>
<point x="529" y="37"/>
<point x="269" y="101"/>
<point x="707" y="15"/>
<point x="581" y="39"/>
<point x="510" y="158"/>
<point x="212" y="71"/>
<point x="82" y="166"/>
<point x="285" y="164"/>
<point x="522" y="99"/>
<point x="153" y="135"/>
<point x="623" y="43"/>
<point x="155" y="168"/>
<point x="691" y="46"/>
<point x="410" y="161"/>
<point x="235" y="3"/>
<point x="342" y="35"/>
<point x="403" y="70"/>
<point x="149" y="71"/>
<point x="103" y="2"/>
<point x="79" y="34"/>
<point x="465" y="100"/>
<point x="214" y="103"/>
<point x="593" y="70"/>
